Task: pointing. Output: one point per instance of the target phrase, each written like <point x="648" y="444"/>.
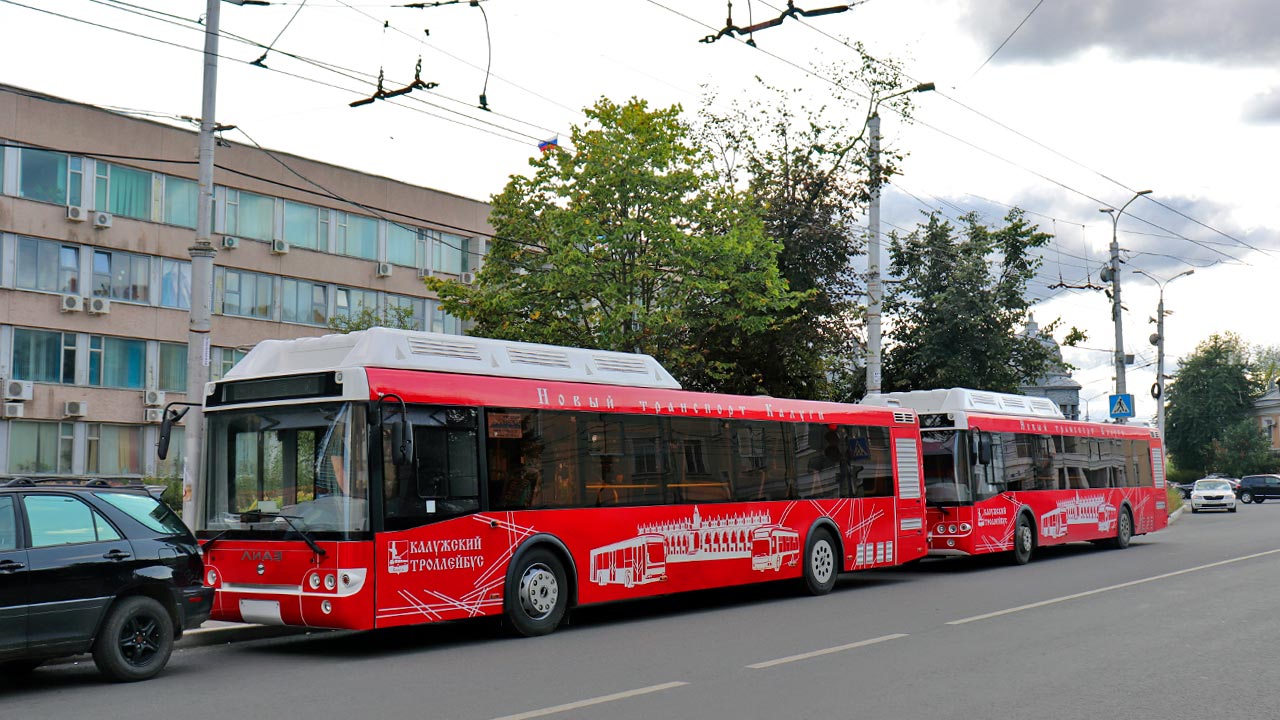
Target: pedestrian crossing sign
<point x="1121" y="406"/>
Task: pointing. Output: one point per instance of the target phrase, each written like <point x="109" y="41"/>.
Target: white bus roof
<point x="956" y="400"/>
<point x="414" y="350"/>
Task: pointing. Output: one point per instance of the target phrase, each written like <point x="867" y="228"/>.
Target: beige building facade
<point x="97" y="212"/>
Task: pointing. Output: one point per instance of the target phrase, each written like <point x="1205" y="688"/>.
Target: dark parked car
<point x="94" y="568"/>
<point x="1256" y="488"/>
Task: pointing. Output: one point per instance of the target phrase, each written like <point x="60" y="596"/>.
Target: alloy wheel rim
<point x="823" y="564"/>
<point x="140" y="639"/>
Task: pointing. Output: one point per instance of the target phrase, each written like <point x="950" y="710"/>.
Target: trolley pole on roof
<point x="1115" y="292"/>
<point x="199" y="323"/>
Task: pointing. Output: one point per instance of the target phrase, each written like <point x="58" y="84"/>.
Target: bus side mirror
<point x="984" y="448"/>
<point x="171" y="416"/>
<point x="402" y="442"/>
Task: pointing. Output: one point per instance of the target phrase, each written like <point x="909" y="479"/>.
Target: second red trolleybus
<point x="390" y="477"/>
<point x="1007" y="473"/>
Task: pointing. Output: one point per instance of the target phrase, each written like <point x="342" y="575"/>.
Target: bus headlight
<point x="326" y="606"/>
<point x="951" y="528"/>
<point x="330" y="582"/>
<point x="965" y="527"/>
<point x="211" y="578"/>
<point x="314" y="582"/>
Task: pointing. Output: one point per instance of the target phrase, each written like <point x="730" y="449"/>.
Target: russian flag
<point x="546" y="145"/>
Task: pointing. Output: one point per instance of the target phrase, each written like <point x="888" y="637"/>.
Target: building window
<point x="303" y="302"/>
<point x="114" y="449"/>
<point x="416" y="308"/>
<point x="43" y="175"/>
<point x="243" y="293"/>
<point x="249" y="215"/>
<point x="122" y="276"/>
<point x="451" y="254"/>
<point x="172" y="373"/>
<point x="306" y="226"/>
<point x="357" y="236"/>
<point x="44" y="356"/>
<point x="228" y="359"/>
<point x="117" y="362"/>
<point x="39" y="448"/>
<point x="443" y="322"/>
<point x="175" y="284"/>
<point x="351" y="301"/>
<point x="403" y="245"/>
<point x="170" y="468"/>
<point x="181" y="200"/>
<point x="122" y="191"/>
<point x="48" y="266"/>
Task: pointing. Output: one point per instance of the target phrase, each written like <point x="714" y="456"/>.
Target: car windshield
<point x="304" y="462"/>
<point x="1213" y="485"/>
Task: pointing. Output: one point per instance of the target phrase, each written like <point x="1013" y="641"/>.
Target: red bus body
<point x="462" y="567"/>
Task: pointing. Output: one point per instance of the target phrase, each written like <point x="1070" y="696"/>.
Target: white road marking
<point x="1109" y="588"/>
<point x="592" y="701"/>
<point x="827" y="651"/>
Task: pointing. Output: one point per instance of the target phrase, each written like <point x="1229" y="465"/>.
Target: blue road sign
<point x="859" y="448"/>
<point x="1121" y="405"/>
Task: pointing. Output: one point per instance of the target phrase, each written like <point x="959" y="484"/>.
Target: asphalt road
<point x="1183" y="624"/>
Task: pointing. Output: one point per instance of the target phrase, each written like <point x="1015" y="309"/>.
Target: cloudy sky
<point x="1059" y="107"/>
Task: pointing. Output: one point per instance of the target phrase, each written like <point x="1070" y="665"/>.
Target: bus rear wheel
<point x="1023" y="541"/>
<point x="1124" y="530"/>
<point x="820" y="559"/>
<point x="537" y="593"/>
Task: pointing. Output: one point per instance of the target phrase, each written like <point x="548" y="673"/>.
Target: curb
<point x="218" y="633"/>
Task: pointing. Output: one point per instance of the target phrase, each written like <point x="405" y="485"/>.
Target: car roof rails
<point x="19" y="482"/>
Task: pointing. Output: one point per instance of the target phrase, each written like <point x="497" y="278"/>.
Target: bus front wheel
<point x="820" y="558"/>
<point x="1023" y="541"/>
<point x="1124" y="530"/>
<point x="537" y="593"/>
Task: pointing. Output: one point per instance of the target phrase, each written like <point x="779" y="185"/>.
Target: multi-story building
<point x="97" y="212"/>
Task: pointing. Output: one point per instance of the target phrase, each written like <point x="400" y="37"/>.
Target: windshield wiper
<point x="209" y="543"/>
<point x="310" y="542"/>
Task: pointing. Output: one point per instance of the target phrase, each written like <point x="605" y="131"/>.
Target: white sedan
<point x="1212" y="493"/>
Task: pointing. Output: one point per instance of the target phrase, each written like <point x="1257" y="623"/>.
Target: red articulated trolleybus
<point x="391" y="477"/>
<point x="1007" y="473"/>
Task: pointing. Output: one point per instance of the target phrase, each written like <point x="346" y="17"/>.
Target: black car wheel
<point x="135" y="641"/>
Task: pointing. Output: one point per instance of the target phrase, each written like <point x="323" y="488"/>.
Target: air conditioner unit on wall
<point x="102" y="219"/>
<point x="279" y="247"/>
<point x="153" y="398"/>
<point x="75" y="408"/>
<point x="153" y="415"/>
<point x="19" y="390"/>
<point x="384" y="269"/>
<point x="98" y="306"/>
<point x="14" y="410"/>
<point x="230" y="242"/>
<point x="467" y="278"/>
<point x="77" y="213"/>
<point x="424" y="273"/>
<point x="71" y="303"/>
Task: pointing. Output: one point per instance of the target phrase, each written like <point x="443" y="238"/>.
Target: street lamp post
<point x="1115" y="291"/>
<point x="1158" y="341"/>
<point x="875" y="294"/>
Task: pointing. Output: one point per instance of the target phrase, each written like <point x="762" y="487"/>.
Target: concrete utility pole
<point x="875" y="294"/>
<point x="1158" y="341"/>
<point x="1115" y="292"/>
<point x="199" y="321"/>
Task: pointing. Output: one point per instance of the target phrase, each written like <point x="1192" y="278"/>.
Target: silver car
<point x="1213" y="493"/>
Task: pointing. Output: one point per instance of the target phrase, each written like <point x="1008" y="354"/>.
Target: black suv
<point x="95" y="568"/>
<point x="1256" y="488"/>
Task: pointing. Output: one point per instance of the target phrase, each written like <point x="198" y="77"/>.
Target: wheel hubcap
<point x="1124" y="526"/>
<point x="823" y="562"/>
<point x="539" y="591"/>
<point x="1024" y="538"/>
<point x="140" y="639"/>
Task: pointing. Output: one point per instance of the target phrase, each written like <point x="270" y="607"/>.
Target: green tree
<point x="623" y="241"/>
<point x="956" y="314"/>
<point x="398" y="317"/>
<point x="1213" y="391"/>
<point x="807" y="169"/>
<point x="1242" y="449"/>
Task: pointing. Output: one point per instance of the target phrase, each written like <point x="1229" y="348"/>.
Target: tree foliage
<point x="397" y="317"/>
<point x="807" y="168"/>
<point x="955" y="317"/>
<point x="1213" y="392"/>
<point x="1243" y="449"/>
<point x="622" y="241"/>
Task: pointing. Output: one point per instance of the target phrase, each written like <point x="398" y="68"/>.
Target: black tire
<point x="1024" y="542"/>
<point x="537" y="593"/>
<point x="821" y="562"/>
<point x="1259" y="500"/>
<point x="1246" y="497"/>
<point x="135" y="641"/>
<point x="1124" y="530"/>
<point x="1231" y="509"/>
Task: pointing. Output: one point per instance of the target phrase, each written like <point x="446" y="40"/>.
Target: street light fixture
<point x="1158" y="341"/>
<point x="875" y="295"/>
<point x="1115" y="290"/>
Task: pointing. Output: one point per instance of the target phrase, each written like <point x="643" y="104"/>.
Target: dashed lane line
<point x="592" y="701"/>
<point x="825" y="651"/>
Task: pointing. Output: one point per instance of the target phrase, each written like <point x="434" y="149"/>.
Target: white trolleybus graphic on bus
<point x="390" y="477"/>
<point x="1007" y="473"/>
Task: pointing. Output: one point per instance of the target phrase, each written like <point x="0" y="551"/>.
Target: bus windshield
<point x="276" y="469"/>
<point x="943" y="485"/>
